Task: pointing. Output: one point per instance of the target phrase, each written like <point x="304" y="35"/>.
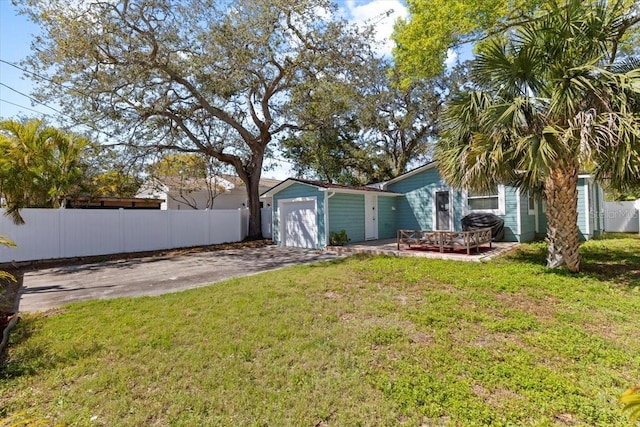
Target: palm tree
<point x="550" y="101"/>
<point x="38" y="165"/>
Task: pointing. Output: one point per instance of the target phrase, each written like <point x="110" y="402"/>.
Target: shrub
<point x="338" y="239"/>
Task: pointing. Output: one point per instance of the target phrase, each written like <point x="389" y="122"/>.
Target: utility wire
<point x="34" y="74"/>
<point x="33" y="99"/>
<point x="25" y="108"/>
<point x="61" y="85"/>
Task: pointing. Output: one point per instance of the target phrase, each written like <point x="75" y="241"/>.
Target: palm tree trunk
<point x="563" y="237"/>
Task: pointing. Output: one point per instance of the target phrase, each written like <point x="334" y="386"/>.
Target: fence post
<point x="121" y="230"/>
<point x="61" y="230"/>
<point x="637" y="206"/>
<point x="241" y="224"/>
<point x="207" y="226"/>
<point x="170" y="228"/>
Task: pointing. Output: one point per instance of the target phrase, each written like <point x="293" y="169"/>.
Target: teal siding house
<point x="305" y="213"/>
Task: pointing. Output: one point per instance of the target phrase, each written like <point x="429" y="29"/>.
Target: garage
<point x="299" y="224"/>
<point x="307" y="213"/>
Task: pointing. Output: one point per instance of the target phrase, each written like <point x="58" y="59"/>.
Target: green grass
<point x="359" y="341"/>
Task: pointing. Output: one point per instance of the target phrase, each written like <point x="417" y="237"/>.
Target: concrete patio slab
<point x="389" y="247"/>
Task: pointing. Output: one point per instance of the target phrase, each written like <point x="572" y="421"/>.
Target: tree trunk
<point x="255" y="215"/>
<point x="250" y="175"/>
<point x="563" y="237"/>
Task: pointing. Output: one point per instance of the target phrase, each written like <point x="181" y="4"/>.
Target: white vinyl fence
<point x="622" y="216"/>
<point x="266" y="222"/>
<point x="64" y="233"/>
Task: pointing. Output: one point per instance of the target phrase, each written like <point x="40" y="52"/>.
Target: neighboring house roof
<point x="237" y="182"/>
<point x="328" y="186"/>
<point x="112" y="203"/>
<point x="221" y="182"/>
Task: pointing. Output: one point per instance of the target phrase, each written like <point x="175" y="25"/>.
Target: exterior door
<point x="299" y="225"/>
<point x="443" y="210"/>
<point x="370" y="217"/>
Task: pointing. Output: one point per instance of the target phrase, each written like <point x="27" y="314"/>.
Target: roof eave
<point x="406" y="175"/>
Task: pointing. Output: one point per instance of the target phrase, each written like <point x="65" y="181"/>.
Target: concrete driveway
<point x="50" y="288"/>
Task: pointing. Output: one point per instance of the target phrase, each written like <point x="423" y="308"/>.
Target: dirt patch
<point x="543" y="309"/>
<point x="64" y="262"/>
<point x="500" y="397"/>
<point x="566" y="419"/>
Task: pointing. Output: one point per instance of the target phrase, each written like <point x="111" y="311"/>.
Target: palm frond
<point x="631" y="400"/>
<point x="4" y="240"/>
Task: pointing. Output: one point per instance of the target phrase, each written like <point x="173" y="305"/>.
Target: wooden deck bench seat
<point x="446" y="239"/>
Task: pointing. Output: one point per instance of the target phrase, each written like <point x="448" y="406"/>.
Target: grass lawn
<point x="358" y="341"/>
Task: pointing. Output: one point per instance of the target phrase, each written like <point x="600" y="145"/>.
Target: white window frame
<point x="501" y="202"/>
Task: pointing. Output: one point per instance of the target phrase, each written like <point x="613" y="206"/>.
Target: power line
<point x="32" y="99"/>
<point x="59" y="84"/>
<point x="33" y="74"/>
<point x="25" y="108"/>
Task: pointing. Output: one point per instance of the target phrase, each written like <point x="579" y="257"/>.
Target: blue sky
<point x="15" y="37"/>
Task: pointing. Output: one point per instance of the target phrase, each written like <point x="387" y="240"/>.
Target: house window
<point x="492" y="201"/>
<point x="483" y="201"/>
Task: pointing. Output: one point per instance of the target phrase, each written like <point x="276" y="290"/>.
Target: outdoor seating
<point x="442" y="240"/>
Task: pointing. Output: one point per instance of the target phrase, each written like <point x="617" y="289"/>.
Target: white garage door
<point x="299" y="221"/>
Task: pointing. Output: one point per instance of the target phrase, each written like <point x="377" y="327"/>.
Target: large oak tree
<point x="205" y="76"/>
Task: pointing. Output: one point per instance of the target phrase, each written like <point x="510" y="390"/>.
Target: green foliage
<point x="435" y="27"/>
<point x="369" y="129"/>
<point x="39" y="165"/>
<point x="109" y="172"/>
<point x="338" y="238"/>
<point x="4" y="276"/>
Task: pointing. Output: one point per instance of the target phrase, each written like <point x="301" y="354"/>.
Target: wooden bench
<point x="419" y="238"/>
<point x="446" y="239"/>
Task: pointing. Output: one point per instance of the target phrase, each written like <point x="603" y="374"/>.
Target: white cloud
<point x="382" y="14"/>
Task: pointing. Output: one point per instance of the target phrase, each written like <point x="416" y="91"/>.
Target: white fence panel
<point x="146" y="230"/>
<point x="86" y="232"/>
<point x="622" y="217"/>
<point x="63" y="233"/>
<point x="266" y="222"/>
<point x="189" y="228"/>
<point x="37" y="241"/>
<point x="244" y="212"/>
<point x="225" y="226"/>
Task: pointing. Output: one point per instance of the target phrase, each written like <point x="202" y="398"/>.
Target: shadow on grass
<point x="614" y="258"/>
<point x="618" y="265"/>
<point x="337" y="261"/>
<point x="16" y="367"/>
